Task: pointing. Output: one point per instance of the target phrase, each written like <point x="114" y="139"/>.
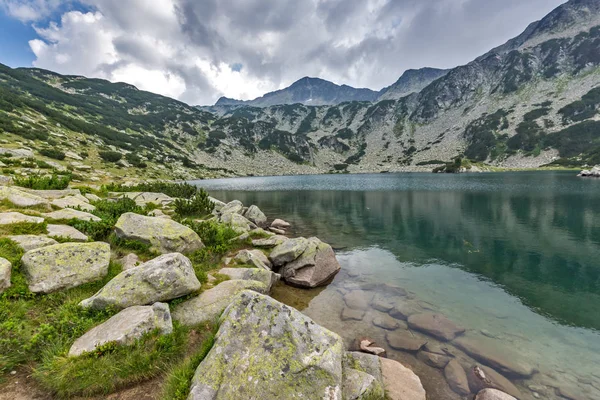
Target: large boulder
<point x="316" y="266"/>
<point x="20" y="198"/>
<point x="362" y="377"/>
<point x="73" y="202"/>
<point x="209" y="305"/>
<point x="269" y="242"/>
<point x="435" y="325"/>
<point x="5" y="269"/>
<point x="165" y="278"/>
<point x="68" y="214"/>
<point x="400" y="382"/>
<point x="125" y="327"/>
<point x="66" y="232"/>
<point x="53" y="194"/>
<point x="239" y="223"/>
<point x="493" y="394"/>
<point x="64" y="266"/>
<point x="255" y="215"/>
<point x="288" y="251"/>
<point x="404" y="341"/>
<point x="17" y="153"/>
<point x="31" y="242"/>
<point x="164" y="235"/>
<point x="265" y="277"/>
<point x="218" y="204"/>
<point x="9" y="218"/>
<point x="267" y="350"/>
<point x="233" y="207"/>
<point x="253" y="257"/>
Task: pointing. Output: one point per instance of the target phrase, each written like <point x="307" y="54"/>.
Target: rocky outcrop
<point x="68" y="214"/>
<point x="53" y="194"/>
<point x="66" y="232"/>
<point x="265" y="277"/>
<point x="209" y="305"/>
<point x="316" y="266"/>
<point x="20" y="198"/>
<point x="64" y="266"/>
<point x="73" y="202"/>
<point x="218" y="204"/>
<point x="125" y="327"/>
<point x="435" y="325"/>
<point x="256" y="216"/>
<point x="5" y="271"/>
<point x="164" y="235"/>
<point x="165" y="278"/>
<point x="32" y="242"/>
<point x="400" y="382"/>
<point x="270" y="351"/>
<point x="288" y="251"/>
<point x="593" y="173"/>
<point x="9" y="218"/>
<point x="493" y="394"/>
<point x="253" y="257"/>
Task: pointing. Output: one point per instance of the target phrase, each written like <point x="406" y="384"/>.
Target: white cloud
<point x="185" y="48"/>
<point x="29" y="10"/>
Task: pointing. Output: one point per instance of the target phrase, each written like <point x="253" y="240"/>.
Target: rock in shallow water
<point x="457" y="378"/>
<point x="316" y="266"/>
<point x="481" y="377"/>
<point x="164" y="235"/>
<point x="270" y="351"/>
<point x="165" y="278"/>
<point x="358" y="299"/>
<point x="288" y="251"/>
<point x="435" y="325"/>
<point x="402" y="340"/>
<point x="125" y="327"/>
<point x="386" y="322"/>
<point x="493" y="394"/>
<point x="400" y="382"/>
<point x="433" y="360"/>
<point x="64" y="266"/>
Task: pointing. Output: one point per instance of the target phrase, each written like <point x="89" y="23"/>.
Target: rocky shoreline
<point x="262" y="347"/>
<point x="593" y="173"/>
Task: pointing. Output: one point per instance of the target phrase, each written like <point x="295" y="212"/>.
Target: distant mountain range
<point x="319" y="92"/>
<point x="533" y="101"/>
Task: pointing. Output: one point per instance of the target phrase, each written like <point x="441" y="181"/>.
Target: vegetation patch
<point x="181" y="190"/>
<point x="110" y="156"/>
<point x="482" y="134"/>
<point x="53" y="153"/>
<point x="53" y="182"/>
<point x="24" y="228"/>
<point x="199" y="205"/>
<point x="583" y="109"/>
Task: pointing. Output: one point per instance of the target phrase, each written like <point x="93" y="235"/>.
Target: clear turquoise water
<point x="516" y="254"/>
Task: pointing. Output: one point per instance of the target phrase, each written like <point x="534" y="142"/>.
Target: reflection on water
<point x="515" y="256"/>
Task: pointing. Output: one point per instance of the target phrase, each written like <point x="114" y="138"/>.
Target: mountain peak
<point x="411" y="81"/>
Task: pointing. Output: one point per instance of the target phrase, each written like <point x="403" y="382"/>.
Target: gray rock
<point x="74" y="156"/>
<point x="269" y="242"/>
<point x="164" y="235"/>
<point x="217" y="203"/>
<point x="364" y="362"/>
<point x="68" y="214"/>
<point x="349" y="314"/>
<point x="52" y="194"/>
<point x="270" y="351"/>
<point x="165" y="278"/>
<point x="386" y="322"/>
<point x="253" y="257"/>
<point x="73" y="202"/>
<point x="316" y="266"/>
<point x="277" y="231"/>
<point x="403" y="310"/>
<point x="435" y="325"/>
<point x="358" y="299"/>
<point x="17" y="153"/>
<point x="359" y="385"/>
<point x="66" y="232"/>
<point x="64" y="266"/>
<point x="9" y="218"/>
<point x="209" y="305"/>
<point x="457" y="378"/>
<point x="255" y="215"/>
<point x="129" y="261"/>
<point x="145" y="198"/>
<point x="400" y="383"/>
<point x="5" y="270"/>
<point x="280" y="224"/>
<point x="5" y="180"/>
<point x="92" y="197"/>
<point x="402" y="340"/>
<point x="383" y="303"/>
<point x="237" y="222"/>
<point x="21" y="198"/>
<point x="125" y="328"/>
<point x="32" y="242"/>
<point x="265" y="277"/>
<point x="493" y="394"/>
<point x="288" y="251"/>
<point x="233" y="207"/>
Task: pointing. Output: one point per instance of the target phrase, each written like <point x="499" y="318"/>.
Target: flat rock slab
<point x="493" y="353"/>
<point x="53" y="194"/>
<point x="73" y="202"/>
<point x="125" y="327"/>
<point x="280" y="224"/>
<point x="493" y="394"/>
<point x="358" y="299"/>
<point x="403" y="310"/>
<point x="144" y="198"/>
<point x="435" y="325"/>
<point x="66" y="232"/>
<point x="9" y="218"/>
<point x="32" y="242"/>
<point x="400" y="382"/>
<point x="164" y="278"/>
<point x="401" y="340"/>
<point x="20" y="198"/>
<point x="348" y="314"/>
<point x="5" y="271"/>
<point x="209" y="305"/>
<point x="164" y="235"/>
<point x="388" y="323"/>
<point x="382" y="302"/>
<point x="68" y="214"/>
<point x="64" y="266"/>
<point x="457" y="378"/>
<point x="265" y="277"/>
<point x="270" y="351"/>
<point x="254" y="257"/>
<point x="269" y="242"/>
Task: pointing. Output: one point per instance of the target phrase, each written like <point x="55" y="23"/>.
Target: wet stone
<point x="435" y="325"/>
<point x="433" y="360"/>
<point x="382" y="302"/>
<point x="358" y="299"/>
<point x="402" y="340"/>
<point x="386" y="322"/>
<point x="481" y="377"/>
<point x="403" y="310"/>
<point x="349" y="314"/>
<point x="457" y="378"/>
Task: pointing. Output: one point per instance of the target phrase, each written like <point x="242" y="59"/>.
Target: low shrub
<point x="24" y="228"/>
<point x="199" y="205"/>
<point x="180" y="190"/>
<point x="53" y="182"/>
<point x="110" y="156"/>
<point x="53" y="153"/>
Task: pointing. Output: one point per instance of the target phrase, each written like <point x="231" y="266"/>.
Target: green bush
<point x="110" y="156"/>
<point x="198" y="206"/>
<point x="181" y="190"/>
<point x="54" y="182"/>
<point x="53" y="153"/>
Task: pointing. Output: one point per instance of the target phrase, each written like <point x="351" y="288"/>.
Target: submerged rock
<point x="400" y="382"/>
<point x="316" y="266"/>
<point x="265" y="277"/>
<point x="358" y="299"/>
<point x="64" y="266"/>
<point x="125" y="327"/>
<point x="66" y="232"/>
<point x="254" y="257"/>
<point x="209" y="305"/>
<point x="434" y="360"/>
<point x="165" y="278"/>
<point x="32" y="242"/>
<point x="270" y="351"/>
<point x="69" y="214"/>
<point x="5" y="270"/>
<point x="457" y="378"/>
<point x="403" y="310"/>
<point x="20" y="198"/>
<point x="349" y="314"/>
<point x="402" y="340"/>
<point x="9" y="218"/>
<point x="255" y="215"/>
<point x="493" y="394"/>
<point x="386" y="322"/>
<point x="481" y="377"/>
<point x="435" y="325"/>
<point x="164" y="235"/>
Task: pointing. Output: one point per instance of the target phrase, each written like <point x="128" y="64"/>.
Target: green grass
<point x="43" y="182"/>
<point x="23" y="228"/>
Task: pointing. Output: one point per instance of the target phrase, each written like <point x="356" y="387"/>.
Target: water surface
<point x="514" y="256"/>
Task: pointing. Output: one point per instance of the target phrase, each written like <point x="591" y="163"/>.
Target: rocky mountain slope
<point x="531" y="102"/>
<point x="411" y="81"/>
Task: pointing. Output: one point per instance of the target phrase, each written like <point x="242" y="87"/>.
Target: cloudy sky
<point x="199" y="50"/>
